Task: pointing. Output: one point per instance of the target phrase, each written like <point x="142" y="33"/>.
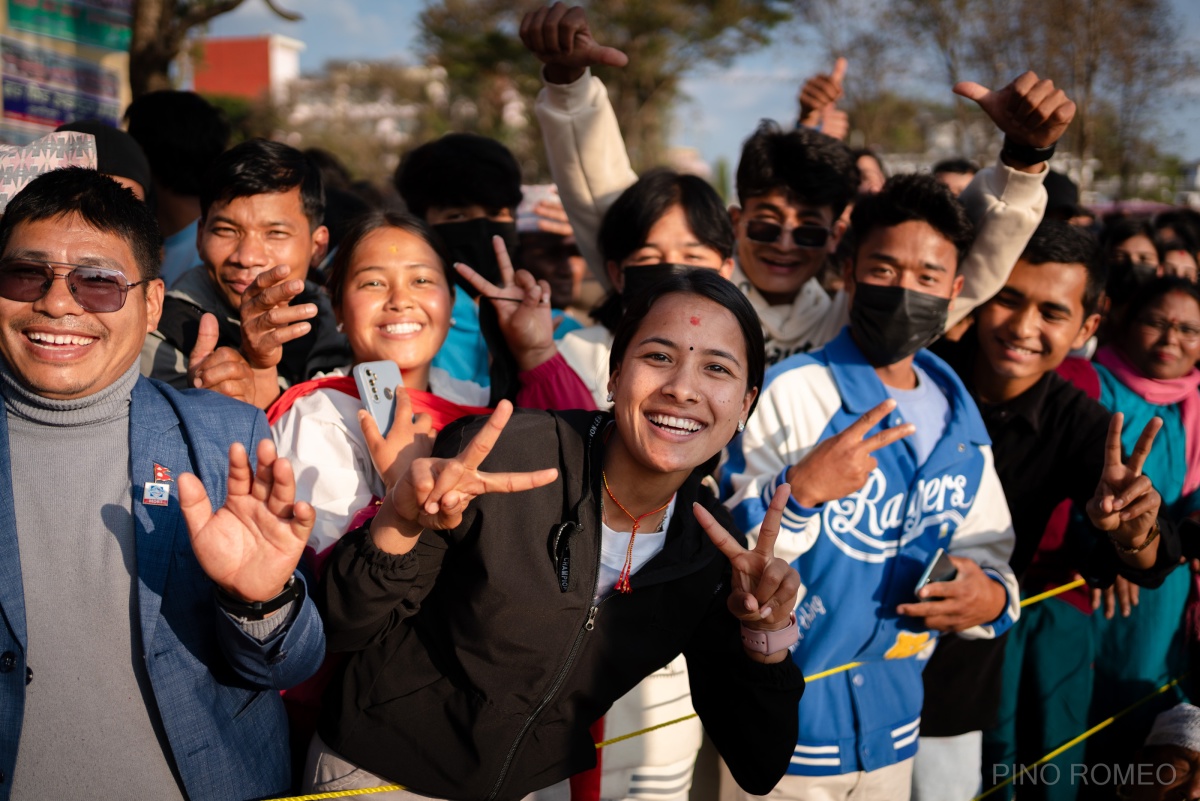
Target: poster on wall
<point x="43" y="88"/>
<point x="98" y="23"/>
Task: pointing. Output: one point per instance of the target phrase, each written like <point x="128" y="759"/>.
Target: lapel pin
<point x="156" y="494"/>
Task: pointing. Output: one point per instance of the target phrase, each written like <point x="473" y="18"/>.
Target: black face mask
<point x="1125" y="278"/>
<point x="640" y="280"/>
<point x="471" y="243"/>
<point x="890" y="323"/>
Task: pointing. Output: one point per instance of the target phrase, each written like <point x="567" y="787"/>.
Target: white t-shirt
<point x="614" y="545"/>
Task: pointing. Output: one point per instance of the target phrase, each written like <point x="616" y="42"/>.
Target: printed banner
<point x="42" y="104"/>
<point x="99" y="23"/>
<point x="22" y="60"/>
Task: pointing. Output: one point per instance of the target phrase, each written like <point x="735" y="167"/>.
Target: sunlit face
<point x="670" y="241"/>
<point x="912" y="255"/>
<point x="1163" y="340"/>
<point x="52" y="345"/>
<point x="396" y="303"/>
<point x="1031" y="325"/>
<point x="246" y="236"/>
<point x="680" y="390"/>
<point x="779" y="269"/>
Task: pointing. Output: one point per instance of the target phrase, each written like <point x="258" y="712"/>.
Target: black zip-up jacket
<point x="478" y="660"/>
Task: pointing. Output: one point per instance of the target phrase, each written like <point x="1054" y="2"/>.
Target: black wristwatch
<point x="257" y="610"/>
<point x="1026" y="154"/>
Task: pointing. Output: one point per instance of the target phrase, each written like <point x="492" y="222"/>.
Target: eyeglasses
<point x="95" y="289"/>
<point x="805" y="236"/>
<point x="1186" y="331"/>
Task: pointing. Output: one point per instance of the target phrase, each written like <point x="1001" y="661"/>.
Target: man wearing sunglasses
<point x="143" y="638"/>
<point x="790" y="184"/>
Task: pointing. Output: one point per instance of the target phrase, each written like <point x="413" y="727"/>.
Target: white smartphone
<point x="377" y="383"/>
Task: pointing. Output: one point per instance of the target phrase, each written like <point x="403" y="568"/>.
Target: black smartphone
<point x="940" y="568"/>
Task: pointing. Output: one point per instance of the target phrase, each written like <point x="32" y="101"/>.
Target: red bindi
<point x="695" y="321"/>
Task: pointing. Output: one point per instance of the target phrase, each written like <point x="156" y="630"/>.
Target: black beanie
<point x="117" y="153"/>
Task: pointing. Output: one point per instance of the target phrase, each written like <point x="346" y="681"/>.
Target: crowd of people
<point x="647" y="456"/>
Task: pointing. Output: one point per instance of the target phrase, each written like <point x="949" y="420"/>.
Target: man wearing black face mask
<point x="467" y="187"/>
<point x="915" y="477"/>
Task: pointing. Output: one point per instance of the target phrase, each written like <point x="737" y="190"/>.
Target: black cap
<point x="117" y="153"/>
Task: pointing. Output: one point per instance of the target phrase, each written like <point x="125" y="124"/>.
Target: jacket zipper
<point x="588" y="625"/>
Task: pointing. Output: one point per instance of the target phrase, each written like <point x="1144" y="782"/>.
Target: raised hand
<point x="820" y="93"/>
<point x="1123" y="592"/>
<point x="835" y="122"/>
<point x="841" y="464"/>
<point x="561" y="39"/>
<point x="252" y="544"/>
<point x="1030" y="111"/>
<point x="268" y="322"/>
<point x="764" y="586"/>
<point x="434" y="493"/>
<point x="1126" y="504"/>
<point x="552" y="217"/>
<point x="971" y="599"/>
<point x="222" y="370"/>
<point x="410" y="438"/>
<point x="522" y="308"/>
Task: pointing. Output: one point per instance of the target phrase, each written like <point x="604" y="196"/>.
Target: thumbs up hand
<point x="820" y="93"/>
<point x="222" y="370"/>
<point x="1030" y="111"/>
<point x="561" y="39"/>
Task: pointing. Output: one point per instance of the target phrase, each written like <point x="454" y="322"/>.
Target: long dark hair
<point x="706" y="284"/>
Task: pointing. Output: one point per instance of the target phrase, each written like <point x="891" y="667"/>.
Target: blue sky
<point x="724" y="104"/>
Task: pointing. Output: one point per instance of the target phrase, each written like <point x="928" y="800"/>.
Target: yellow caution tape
<point x="1072" y="743"/>
<point x="815" y="677"/>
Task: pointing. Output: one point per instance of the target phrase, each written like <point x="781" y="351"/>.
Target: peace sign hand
<point x="435" y="493"/>
<point x="522" y="308"/>
<point x="764" y="586"/>
<point x="1126" y="504"/>
<point x="841" y="464"/>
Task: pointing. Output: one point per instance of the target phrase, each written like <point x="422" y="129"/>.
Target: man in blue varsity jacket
<point x="915" y="475"/>
<point x="144" y="638"/>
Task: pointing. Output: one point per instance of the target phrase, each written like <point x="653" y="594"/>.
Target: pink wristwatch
<point x="771" y="642"/>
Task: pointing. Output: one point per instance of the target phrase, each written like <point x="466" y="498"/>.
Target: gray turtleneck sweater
<point x="91" y="727"/>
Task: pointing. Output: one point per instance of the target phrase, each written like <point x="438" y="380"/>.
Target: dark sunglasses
<point x="805" y="236"/>
<point x="95" y="289"/>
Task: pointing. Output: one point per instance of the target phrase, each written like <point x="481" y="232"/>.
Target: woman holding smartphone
<point x="534" y="569"/>
<point x="392" y="298"/>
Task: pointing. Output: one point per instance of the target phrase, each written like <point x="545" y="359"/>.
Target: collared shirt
<point x="1048" y="443"/>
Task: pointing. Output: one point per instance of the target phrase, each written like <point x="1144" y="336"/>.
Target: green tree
<point x="160" y="31"/>
<point x="1119" y="60"/>
<point x="476" y="41"/>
